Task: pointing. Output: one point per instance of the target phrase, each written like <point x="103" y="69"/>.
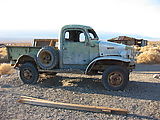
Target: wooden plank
<point x="42" y="102"/>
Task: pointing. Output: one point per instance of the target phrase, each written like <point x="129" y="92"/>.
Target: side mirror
<point x="92" y="45"/>
<point x="87" y="43"/>
<point x="90" y="38"/>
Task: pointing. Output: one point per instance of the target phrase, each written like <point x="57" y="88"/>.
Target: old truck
<point x="79" y="51"/>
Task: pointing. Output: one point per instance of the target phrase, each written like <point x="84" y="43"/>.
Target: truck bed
<point x="14" y="52"/>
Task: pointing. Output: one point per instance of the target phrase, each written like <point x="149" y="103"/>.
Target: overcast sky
<point x="141" y="17"/>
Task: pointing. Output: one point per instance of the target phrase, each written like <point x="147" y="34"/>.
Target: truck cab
<point x="79" y="51"/>
<point x="77" y="46"/>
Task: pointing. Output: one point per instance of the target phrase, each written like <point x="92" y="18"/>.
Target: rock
<point x="157" y="76"/>
<point x="6" y="75"/>
<point x="141" y="98"/>
<point x="6" y="86"/>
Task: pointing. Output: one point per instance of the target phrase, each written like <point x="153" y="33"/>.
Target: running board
<point x="76" y="71"/>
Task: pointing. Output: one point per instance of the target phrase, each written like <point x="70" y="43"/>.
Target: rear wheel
<point x="115" y="78"/>
<point x="28" y="73"/>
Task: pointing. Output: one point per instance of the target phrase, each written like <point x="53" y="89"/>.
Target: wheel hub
<point x="115" y="79"/>
<point x="45" y="58"/>
<point x="27" y="74"/>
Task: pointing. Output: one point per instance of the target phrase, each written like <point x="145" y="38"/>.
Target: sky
<point x="130" y="17"/>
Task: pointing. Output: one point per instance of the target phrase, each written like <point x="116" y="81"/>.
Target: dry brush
<point x="149" y="55"/>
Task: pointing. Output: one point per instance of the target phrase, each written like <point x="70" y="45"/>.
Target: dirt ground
<point x="141" y="97"/>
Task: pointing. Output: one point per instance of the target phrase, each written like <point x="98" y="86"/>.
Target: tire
<point x="28" y="73"/>
<point x="115" y="78"/>
<point x="47" y="58"/>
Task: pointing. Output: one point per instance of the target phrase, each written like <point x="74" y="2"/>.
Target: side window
<point x="82" y="37"/>
<point x="75" y="36"/>
<point x="67" y="36"/>
<point x="91" y="35"/>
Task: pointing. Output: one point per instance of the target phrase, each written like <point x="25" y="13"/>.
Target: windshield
<point x="92" y="34"/>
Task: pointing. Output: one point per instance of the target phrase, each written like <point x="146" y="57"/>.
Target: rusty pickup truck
<point x="79" y="50"/>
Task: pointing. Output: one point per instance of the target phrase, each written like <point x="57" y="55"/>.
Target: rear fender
<point x="25" y="58"/>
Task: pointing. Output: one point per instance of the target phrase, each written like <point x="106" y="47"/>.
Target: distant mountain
<point x="28" y="36"/>
<point x="25" y="36"/>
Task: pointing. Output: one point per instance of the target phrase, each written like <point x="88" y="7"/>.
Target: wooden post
<point x="41" y="102"/>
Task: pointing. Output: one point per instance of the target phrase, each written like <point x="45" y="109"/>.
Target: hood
<point x="110" y="48"/>
<point x="111" y="43"/>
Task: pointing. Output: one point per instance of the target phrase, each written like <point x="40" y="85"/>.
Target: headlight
<point x="130" y="52"/>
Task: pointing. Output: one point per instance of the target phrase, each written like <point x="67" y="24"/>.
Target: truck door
<point x="75" y="49"/>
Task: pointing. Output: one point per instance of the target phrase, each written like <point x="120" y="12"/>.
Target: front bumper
<point x="131" y="65"/>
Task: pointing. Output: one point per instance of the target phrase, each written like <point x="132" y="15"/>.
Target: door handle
<point x="92" y="45"/>
<point x="64" y="48"/>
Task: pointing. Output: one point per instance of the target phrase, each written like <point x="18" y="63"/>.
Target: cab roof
<point x="76" y="26"/>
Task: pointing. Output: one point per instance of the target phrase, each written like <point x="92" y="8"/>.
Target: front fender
<point x="117" y="58"/>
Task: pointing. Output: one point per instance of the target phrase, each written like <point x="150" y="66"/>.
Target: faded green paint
<point x="14" y="52"/>
<point x="75" y="53"/>
<point x="94" y="49"/>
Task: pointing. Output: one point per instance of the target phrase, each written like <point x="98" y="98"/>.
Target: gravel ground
<point x="141" y="97"/>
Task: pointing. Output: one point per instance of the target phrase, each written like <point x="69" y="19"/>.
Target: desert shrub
<point x="149" y="47"/>
<point x="3" y="53"/>
<point x="5" y="69"/>
<point x="149" y="55"/>
<point x="145" y="48"/>
<point x="154" y="43"/>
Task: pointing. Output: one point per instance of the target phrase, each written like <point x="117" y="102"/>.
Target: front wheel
<point x="115" y="78"/>
<point x="28" y="73"/>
